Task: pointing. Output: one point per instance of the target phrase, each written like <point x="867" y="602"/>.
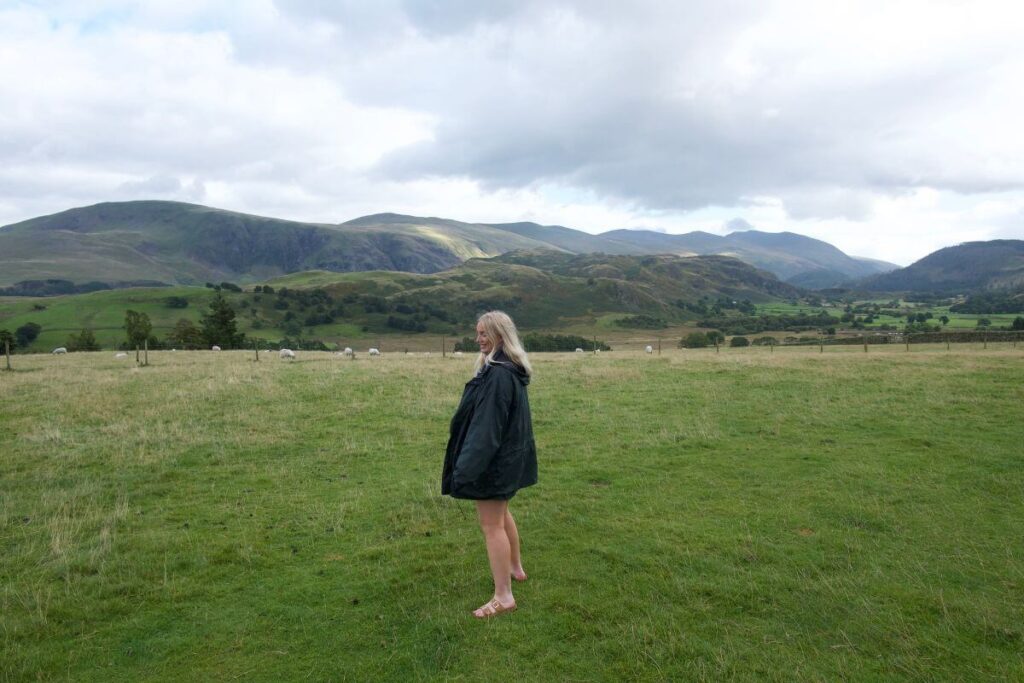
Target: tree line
<point x="217" y="327"/>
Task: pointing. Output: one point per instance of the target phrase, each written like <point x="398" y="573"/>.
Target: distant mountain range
<point x="180" y="243"/>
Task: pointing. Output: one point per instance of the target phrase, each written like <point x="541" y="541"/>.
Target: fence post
<point x="145" y="352"/>
<point x="7" y="352"/>
<point x="821" y="345"/>
<point x="906" y="338"/>
<point x="947" y="341"/>
<point x="595" y="344"/>
<point x="864" y="338"/>
<point x="256" y="348"/>
<point x="984" y="340"/>
<point x="137" y="354"/>
<point x="659" y="346"/>
<point x="442" y="348"/>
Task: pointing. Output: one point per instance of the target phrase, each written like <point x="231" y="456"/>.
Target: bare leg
<point x="513" y="541"/>
<point x="491" y="514"/>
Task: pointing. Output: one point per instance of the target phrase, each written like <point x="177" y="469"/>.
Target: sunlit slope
<point x="465" y="240"/>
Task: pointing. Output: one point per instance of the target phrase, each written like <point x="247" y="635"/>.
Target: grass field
<point x="744" y="515"/>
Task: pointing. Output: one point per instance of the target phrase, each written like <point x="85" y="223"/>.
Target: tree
<point x="694" y="340"/>
<point x="186" y="335"/>
<point x="137" y="328"/>
<point x="739" y="341"/>
<point x="715" y="337"/>
<point x="177" y="302"/>
<point x="1018" y="324"/>
<point x="83" y="341"/>
<point x="6" y="336"/>
<point x="984" y="322"/>
<point x="218" y="325"/>
<point x="944" y="320"/>
<point x="27" y="333"/>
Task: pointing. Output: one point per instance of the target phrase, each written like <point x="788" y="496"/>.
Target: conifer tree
<point x="218" y="325"/>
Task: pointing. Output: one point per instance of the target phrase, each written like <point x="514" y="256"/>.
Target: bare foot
<point x="493" y="609"/>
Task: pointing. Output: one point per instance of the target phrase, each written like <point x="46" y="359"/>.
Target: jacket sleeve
<point x="486" y="428"/>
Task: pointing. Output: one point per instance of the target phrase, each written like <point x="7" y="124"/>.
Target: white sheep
<point x="122" y="354"/>
<point x="215" y="348"/>
<point x="286" y="353"/>
<point x="579" y="350"/>
<point x="648" y="349"/>
<point x="348" y="351"/>
<point x="374" y="352"/>
<point x="457" y="354"/>
<point x="59" y="350"/>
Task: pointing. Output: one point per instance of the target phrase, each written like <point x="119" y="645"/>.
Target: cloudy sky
<point x="889" y="128"/>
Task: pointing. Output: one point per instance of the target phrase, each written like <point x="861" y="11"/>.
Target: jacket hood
<point x="517" y="371"/>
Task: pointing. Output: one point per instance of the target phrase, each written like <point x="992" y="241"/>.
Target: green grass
<point x="741" y="515"/>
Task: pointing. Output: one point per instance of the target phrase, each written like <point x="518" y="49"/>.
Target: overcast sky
<point x="889" y="128"/>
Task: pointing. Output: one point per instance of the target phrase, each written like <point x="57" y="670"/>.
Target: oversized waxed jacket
<point x="491" y="453"/>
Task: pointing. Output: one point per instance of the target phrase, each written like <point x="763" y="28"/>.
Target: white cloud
<point x="885" y="128"/>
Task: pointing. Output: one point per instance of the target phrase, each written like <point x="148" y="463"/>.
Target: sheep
<point x="59" y="350"/>
<point x="374" y="352"/>
<point x="215" y="348"/>
<point x="122" y="354"/>
<point x="648" y="349"/>
<point x="287" y="353"/>
<point x="457" y="354"/>
<point x="579" y="350"/>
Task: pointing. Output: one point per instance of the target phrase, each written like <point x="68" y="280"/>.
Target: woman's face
<point x="484" y="340"/>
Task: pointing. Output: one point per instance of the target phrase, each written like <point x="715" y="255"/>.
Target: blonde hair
<point x="502" y="332"/>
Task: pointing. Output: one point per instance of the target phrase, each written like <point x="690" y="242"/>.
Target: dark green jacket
<point x="491" y="453"/>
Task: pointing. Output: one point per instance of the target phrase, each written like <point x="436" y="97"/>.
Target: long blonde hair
<point x="502" y="332"/>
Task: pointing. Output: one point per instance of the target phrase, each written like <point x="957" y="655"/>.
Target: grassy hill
<point x="542" y="290"/>
<point x="972" y="266"/>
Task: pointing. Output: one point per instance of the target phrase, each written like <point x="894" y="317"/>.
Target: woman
<point x="491" y="453"/>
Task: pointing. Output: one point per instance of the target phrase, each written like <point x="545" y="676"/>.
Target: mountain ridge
<point x="181" y="243"/>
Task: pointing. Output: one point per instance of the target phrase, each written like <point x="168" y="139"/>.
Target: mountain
<point x="800" y="260"/>
<point x="180" y="243"/>
<point x="971" y="266"/>
<point x="186" y="244"/>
